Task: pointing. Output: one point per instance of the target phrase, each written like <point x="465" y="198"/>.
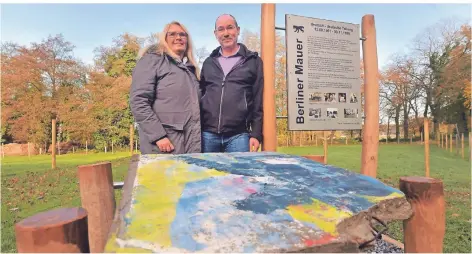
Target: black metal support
<point x="377" y="234"/>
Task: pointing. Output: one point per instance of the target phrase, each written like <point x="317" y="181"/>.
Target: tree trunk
<point x="388" y="127"/>
<point x="405" y="121"/>
<point x="435" y="112"/>
<point x="397" y="123"/>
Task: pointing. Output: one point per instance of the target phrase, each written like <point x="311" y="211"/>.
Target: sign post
<point x="370" y="140"/>
<point x="269" y="128"/>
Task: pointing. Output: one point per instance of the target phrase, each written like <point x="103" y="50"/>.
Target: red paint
<point x="239" y="180"/>
<point x="325" y="238"/>
<point x="250" y="190"/>
<point x="227" y="182"/>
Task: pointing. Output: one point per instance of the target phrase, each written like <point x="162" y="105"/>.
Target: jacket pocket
<point x="174" y="120"/>
<point x="235" y="111"/>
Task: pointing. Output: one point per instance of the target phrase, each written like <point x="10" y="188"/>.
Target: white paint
<point x="284" y="161"/>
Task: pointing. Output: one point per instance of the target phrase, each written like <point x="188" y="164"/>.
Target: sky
<point x="88" y="26"/>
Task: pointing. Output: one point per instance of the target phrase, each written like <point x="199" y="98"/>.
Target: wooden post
<point x="300" y="137"/>
<point x="426" y="146"/>
<point x="317" y="158"/>
<point x="86" y="147"/>
<point x="370" y="141"/>
<point x="447" y="143"/>
<point x="441" y="139"/>
<point x="422" y="135"/>
<point x="98" y="198"/>
<point x="136" y="147"/>
<point x="61" y="230"/>
<point x="53" y="146"/>
<point x="450" y="142"/>
<point x="269" y="125"/>
<point x="462" y="145"/>
<point x="346" y="140"/>
<point x="438" y="138"/>
<point x="131" y="137"/>
<point x="325" y="148"/>
<point x="424" y="231"/>
<point x="457" y="143"/>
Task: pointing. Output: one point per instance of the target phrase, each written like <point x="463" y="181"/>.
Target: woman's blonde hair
<point x="163" y="47"/>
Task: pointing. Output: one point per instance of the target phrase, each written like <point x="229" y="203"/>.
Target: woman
<point x="165" y="95"/>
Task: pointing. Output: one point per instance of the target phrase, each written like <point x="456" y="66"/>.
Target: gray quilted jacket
<point x="164" y="100"/>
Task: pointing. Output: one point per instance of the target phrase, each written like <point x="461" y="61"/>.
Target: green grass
<point x="30" y="186"/>
<point x="17" y="165"/>
<point x="395" y="161"/>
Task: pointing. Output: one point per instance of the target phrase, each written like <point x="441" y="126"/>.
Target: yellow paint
<point x="323" y="215"/>
<point x="377" y="199"/>
<point x="113" y="247"/>
<point x="132" y="250"/>
<point x="156" y="198"/>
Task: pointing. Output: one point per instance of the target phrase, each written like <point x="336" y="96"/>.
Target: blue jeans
<point x="215" y="143"/>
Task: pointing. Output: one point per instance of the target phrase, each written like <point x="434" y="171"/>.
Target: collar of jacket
<point x="152" y="49"/>
<point x="243" y="51"/>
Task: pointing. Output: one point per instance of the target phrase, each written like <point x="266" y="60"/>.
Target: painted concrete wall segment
<point x="240" y="202"/>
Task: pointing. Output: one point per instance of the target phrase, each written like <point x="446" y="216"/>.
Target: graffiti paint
<point x="240" y="202"/>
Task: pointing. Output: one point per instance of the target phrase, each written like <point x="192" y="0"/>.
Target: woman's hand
<point x="165" y="145"/>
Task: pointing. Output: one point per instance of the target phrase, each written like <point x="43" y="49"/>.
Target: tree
<point x="37" y="80"/>
<point x="200" y="55"/>
<point x="109" y="90"/>
<point x="432" y="50"/>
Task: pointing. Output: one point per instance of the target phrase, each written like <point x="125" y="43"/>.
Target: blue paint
<point x="247" y="208"/>
<point x="248" y="249"/>
<point x="303" y="181"/>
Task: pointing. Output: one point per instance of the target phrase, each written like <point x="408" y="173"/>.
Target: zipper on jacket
<point x="223" y="87"/>
<point x="221" y="103"/>
<point x="245" y="100"/>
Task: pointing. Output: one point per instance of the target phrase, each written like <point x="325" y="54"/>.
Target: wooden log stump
<point x="98" y="198"/>
<point x="61" y="230"/>
<point x="424" y="231"/>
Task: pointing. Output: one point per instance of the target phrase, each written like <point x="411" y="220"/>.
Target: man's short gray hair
<point x="235" y="22"/>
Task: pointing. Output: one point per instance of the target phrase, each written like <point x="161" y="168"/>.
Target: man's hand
<point x="165" y="145"/>
<point x="253" y="145"/>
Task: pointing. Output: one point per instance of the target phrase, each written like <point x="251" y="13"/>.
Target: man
<point x="231" y="83"/>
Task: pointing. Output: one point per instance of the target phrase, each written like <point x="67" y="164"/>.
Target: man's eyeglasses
<point x="174" y="34"/>
<point x="222" y="29"/>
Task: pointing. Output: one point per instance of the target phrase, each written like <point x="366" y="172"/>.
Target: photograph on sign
<point x="323" y="74"/>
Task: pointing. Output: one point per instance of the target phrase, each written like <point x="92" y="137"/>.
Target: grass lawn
<point x="29" y="186"/>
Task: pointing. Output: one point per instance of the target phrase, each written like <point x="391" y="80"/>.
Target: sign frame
<point x="300" y="117"/>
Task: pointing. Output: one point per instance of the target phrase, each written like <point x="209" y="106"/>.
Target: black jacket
<point x="232" y="104"/>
